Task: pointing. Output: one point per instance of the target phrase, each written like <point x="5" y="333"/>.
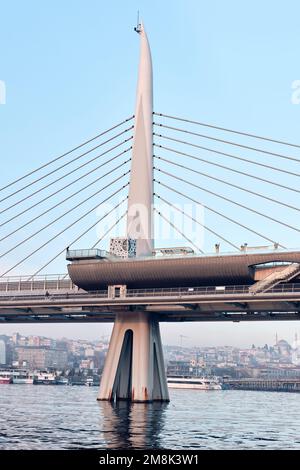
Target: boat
<point x="62" y="380"/>
<point x="89" y="381"/>
<point x="44" y="378"/>
<point x="194" y="383"/>
<point x="22" y="377"/>
<point x="5" y="377"/>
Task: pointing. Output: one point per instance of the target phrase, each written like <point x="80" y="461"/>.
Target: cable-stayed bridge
<point x="153" y="167"/>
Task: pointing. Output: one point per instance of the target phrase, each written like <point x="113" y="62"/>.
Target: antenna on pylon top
<point x="138" y="27"/>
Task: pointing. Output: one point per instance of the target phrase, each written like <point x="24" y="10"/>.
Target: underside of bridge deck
<point x="77" y="308"/>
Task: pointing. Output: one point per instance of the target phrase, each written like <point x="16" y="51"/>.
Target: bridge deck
<point x="215" y="303"/>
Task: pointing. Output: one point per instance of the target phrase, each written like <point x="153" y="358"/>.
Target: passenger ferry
<point x="22" y="377"/>
<point x="195" y="383"/>
<point x="44" y="378"/>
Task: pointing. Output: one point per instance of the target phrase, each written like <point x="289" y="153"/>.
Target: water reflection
<point x="128" y="425"/>
<point x="41" y="417"/>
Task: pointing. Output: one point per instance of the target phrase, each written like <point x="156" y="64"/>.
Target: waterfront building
<point x="2" y="352"/>
<point x="34" y="341"/>
<point x="41" y="357"/>
<point x="296" y="352"/>
<point x="89" y="352"/>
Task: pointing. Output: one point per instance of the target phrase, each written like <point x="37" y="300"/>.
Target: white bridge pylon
<point x="140" y="199"/>
<point x="134" y="367"/>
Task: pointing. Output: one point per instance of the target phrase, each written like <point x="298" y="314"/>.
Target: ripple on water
<point x="44" y="417"/>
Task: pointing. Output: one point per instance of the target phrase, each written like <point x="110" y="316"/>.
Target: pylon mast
<point x="140" y="201"/>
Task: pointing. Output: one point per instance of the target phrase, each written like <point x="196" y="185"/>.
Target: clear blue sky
<point x="70" y="71"/>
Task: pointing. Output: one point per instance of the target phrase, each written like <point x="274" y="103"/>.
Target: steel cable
<point x="61" y="216"/>
<point x="281" y="142"/>
<point x="215" y="139"/>
<point x="230" y="155"/>
<point x="66" y="186"/>
<point x="67" y="153"/>
<point x="197" y="222"/>
<point x="177" y="229"/>
<point x="66" y="164"/>
<point x="264" y="237"/>
<point x="62" y="231"/>
<point x="229" y="184"/>
<point x="224" y="198"/>
<point x="64" y="200"/>
<point x="81" y="235"/>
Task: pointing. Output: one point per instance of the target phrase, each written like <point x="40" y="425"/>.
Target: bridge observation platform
<point x="100" y="270"/>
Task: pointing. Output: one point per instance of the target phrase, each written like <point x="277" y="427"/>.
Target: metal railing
<point x="207" y="290"/>
<point x="73" y="292"/>
<point x="41" y="283"/>
<point x="85" y="254"/>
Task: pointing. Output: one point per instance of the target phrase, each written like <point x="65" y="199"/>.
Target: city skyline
<point x="169" y="338"/>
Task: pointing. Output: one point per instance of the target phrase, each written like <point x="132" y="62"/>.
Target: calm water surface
<point x="64" y="417"/>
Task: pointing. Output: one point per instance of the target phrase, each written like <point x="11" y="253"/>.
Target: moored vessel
<point x="194" y="383"/>
<point x="5" y="377"/>
<point x="61" y="380"/>
<point x="44" y="378"/>
<point x="22" y="377"/>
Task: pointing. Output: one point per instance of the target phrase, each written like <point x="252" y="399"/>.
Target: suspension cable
<point x="63" y="215"/>
<point x="66" y="186"/>
<point x="67" y="153"/>
<point x="80" y="236"/>
<point x="276" y="201"/>
<point x="66" y="199"/>
<point x="229" y="142"/>
<point x="230" y="155"/>
<point x="219" y="213"/>
<point x="111" y="227"/>
<point x="62" y="231"/>
<point x="228" y="130"/>
<point x="197" y="222"/>
<point x="67" y="163"/>
<point x="177" y="229"/>
<point x="250" y="175"/>
<point x="231" y="201"/>
<point x="104" y="235"/>
<point x="62" y="177"/>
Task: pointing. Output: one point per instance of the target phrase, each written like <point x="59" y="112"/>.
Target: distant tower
<point x="276" y="339"/>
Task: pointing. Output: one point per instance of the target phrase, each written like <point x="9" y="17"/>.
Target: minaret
<point x="140" y="201"/>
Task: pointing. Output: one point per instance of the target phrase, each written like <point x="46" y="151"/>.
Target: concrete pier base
<point x="134" y="367"/>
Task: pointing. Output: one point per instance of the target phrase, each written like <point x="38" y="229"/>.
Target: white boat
<point x="22" y="377"/>
<point x="5" y="377"/>
<point x="195" y="383"/>
<point x="62" y="380"/>
<point x="44" y="378"/>
<point x="89" y="382"/>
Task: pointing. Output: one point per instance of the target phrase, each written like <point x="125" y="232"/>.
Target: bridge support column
<point x="134" y="367"/>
